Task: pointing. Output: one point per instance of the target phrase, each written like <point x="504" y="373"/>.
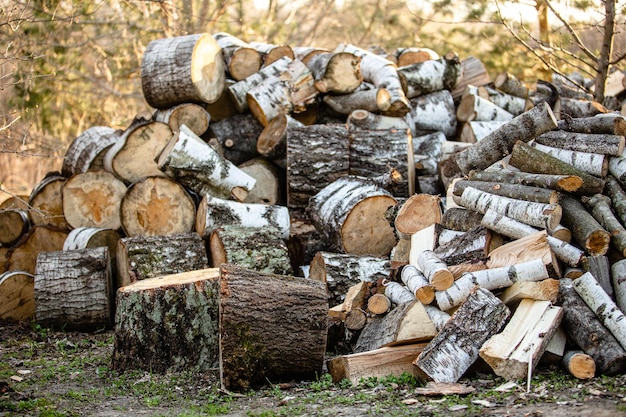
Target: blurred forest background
<point x="68" y="65"/>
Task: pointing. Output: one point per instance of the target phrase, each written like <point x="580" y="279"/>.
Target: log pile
<point x="284" y="201"/>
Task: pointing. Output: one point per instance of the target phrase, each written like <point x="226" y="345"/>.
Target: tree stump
<point x="168" y="324"/>
<point x="17" y="299"/>
<point x="192" y="63"/>
<point x="74" y="289"/>
<point x="272" y="328"/>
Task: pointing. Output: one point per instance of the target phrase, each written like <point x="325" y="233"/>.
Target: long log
<point x="499" y="143"/>
<point x="618" y="280"/>
<point x="512" y="104"/>
<point x="516" y="191"/>
<point x="193" y="63"/>
<point x="460" y="218"/>
<point x="566" y="183"/>
<point x="605" y="144"/>
<point x="616" y="193"/>
<point x="272" y="328"/>
<point x="611" y="124"/>
<point x="585" y="229"/>
<point x="592" y="163"/>
<point x="476" y="108"/>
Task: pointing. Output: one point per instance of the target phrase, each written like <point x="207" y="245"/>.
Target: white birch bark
<point x="599" y="205"/>
<point x="435" y="270"/>
<point x="398" y="294"/>
<point x="617" y="168"/>
<point x="417" y="283"/>
<point x="475" y="130"/>
<point x="591" y="163"/>
<point x="477" y="108"/>
<point x="618" y="276"/>
<point x="438" y="317"/>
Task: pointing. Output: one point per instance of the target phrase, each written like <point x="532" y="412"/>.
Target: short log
<point x="432" y="75"/>
<point x="87" y="150"/>
<point x="23" y="255"/>
<point x="46" y="202"/>
<point x="586" y="230"/>
<point x="17" y="299"/>
<point x="434" y="112"/>
<point x="579" y="364"/>
<point x="237" y="136"/>
<point x="240" y="58"/>
<point x="192" y="115"/>
<point x="14" y="223"/>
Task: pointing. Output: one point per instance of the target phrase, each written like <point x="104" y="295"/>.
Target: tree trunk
<point x="93" y="199"/>
<point x="14" y="223"/>
<point x="499" y="143"/>
<point x="456" y="347"/>
<point x="565" y="183"/>
<point x="432" y="75"/>
<point x="192" y="115"/>
<point x="317" y="155"/>
<point x="476" y="108"/>
<point x="241" y="59"/>
<point x="156" y="206"/>
<point x="23" y="256"/>
<point x="515" y="352"/>
<point x="529" y="159"/>
<point x="434" y="112"/>
<point x="272" y="328"/>
<point x="192" y="63"/>
<point x="87" y="150"/>
<point x="46" y="202"/>
<point x="194" y="164"/>
<point x="133" y="156"/>
<point x="335" y="72"/>
<point x="168" y="323"/>
<point x="586" y="330"/>
<point x="258" y="249"/>
<point x="17" y="300"/>
<point x="585" y="229"/>
<point x="74" y="290"/>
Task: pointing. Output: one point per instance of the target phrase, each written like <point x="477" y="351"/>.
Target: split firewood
<point x="514" y="229"/>
<point x="192" y="115"/>
<point x="354" y="302"/>
<point x="196" y="165"/>
<point x="168" y="323"/>
<point x="418" y="284"/>
<point x="540" y="215"/>
<point x="456" y="347"/>
<point x="341" y="271"/>
<point x="601" y="209"/>
<point x="17" y="300"/>
<point x="87" y="150"/>
<point x="605" y="144"/>
<point x="93" y="199"/>
<point x="579" y="364"/>
<point x="414" y="54"/>
<point x="509" y="84"/>
<point x="592" y="163"/>
<point x="406" y="324"/>
<point x="335" y="72"/>
<point x="272" y="327"/>
<point x="241" y="59"/>
<point x="23" y="255"/>
<point x="268" y="186"/>
<point x="499" y="143"/>
<point x="369" y="99"/>
<point x="74" y="289"/>
<point x="546" y="290"/>
<point x="529" y="159"/>
<point x="586" y="230"/>
<point x="378" y="304"/>
<point x="317" y="155"/>
<point x="474" y="107"/>
<point x="350" y="213"/>
<point x="555" y="350"/>
<point x="524" y="249"/>
<point x="14" y="223"/>
<point x="288" y="92"/>
<point x="421" y="241"/>
<point x="382" y="73"/>
<point x="513" y="104"/>
<point x="416" y="213"/>
<point x="490" y="279"/>
<point x="515" y="352"/>
<point x="379" y="363"/>
<point x="475" y="130"/>
<point x="239" y="90"/>
<point x="599" y="302"/>
<point x="272" y="52"/>
<point x="580" y="108"/>
<point x="213" y="213"/>
<point x="460" y="218"/>
<point x="618" y="279"/>
<point x="193" y="63"/>
<point x="515" y="191"/>
<point x="432" y="75"/>
<point x="46" y="202"/>
<point x="472" y="247"/>
<point x="445" y="236"/>
<point x="133" y="156"/>
<point x="565" y="183"/>
<point x="586" y="330"/>
<point x="611" y="124"/>
<point x="157" y="206"/>
<point x="144" y="257"/>
<point x="258" y="249"/>
<point x="434" y="112"/>
<point x="435" y="270"/>
<point x="272" y="142"/>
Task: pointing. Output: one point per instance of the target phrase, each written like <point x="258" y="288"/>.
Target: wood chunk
<point x="378" y="304"/>
<point x="74" y="289"/>
<point x="240" y="58"/>
<point x="417" y="283"/>
<point x="524" y="249"/>
<point x="379" y="363"/>
<point x="579" y="364"/>
<point x="168" y="323"/>
<point x="432" y="75"/>
<point x="17" y="300"/>
<point x="87" y="150"/>
<point x="335" y="72"/>
<point x="237" y="136"/>
<point x="272" y="327"/>
<point x="473" y="246"/>
<point x="46" y="202"/>
<point x="23" y="256"/>
<point x="545" y="290"/>
<point x="456" y="347"/>
<point x="595" y="164"/>
<point x="434" y="112"/>
<point x="192" y="115"/>
<point x="435" y="270"/>
<point x="586" y="230"/>
<point x="515" y="352"/>
<point x="416" y="213"/>
<point x="268" y="186"/>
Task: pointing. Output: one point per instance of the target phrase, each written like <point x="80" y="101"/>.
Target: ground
<point x="55" y="373"/>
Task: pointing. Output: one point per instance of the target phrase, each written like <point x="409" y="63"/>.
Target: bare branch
<point x="572" y="32"/>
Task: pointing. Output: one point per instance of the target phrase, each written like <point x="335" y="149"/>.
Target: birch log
<point x="272" y="52"/>
<point x="616" y="193"/>
<point x="434" y="112"/>
<point x="17" y="300"/>
<point x="417" y="283"/>
<point x="499" y="143"/>
<point x="456" y="347"/>
<point x="600" y="207"/>
<point x="435" y="270"/>
<point x="427" y="151"/>
<point x="192" y="115"/>
<point x="617" y="168"/>
<point x="592" y="163"/>
<point x="241" y="59"/>
<point x="566" y="183"/>
<point x="618" y="279"/>
<point x="510" y="84"/>
<point x="412" y="55"/>
<point x="475" y="130"/>
<point x="605" y="144"/>
<point x="432" y="75"/>
<point x="512" y="104"/>
<point x="460" y="218"/>
<point x="87" y="150"/>
<point x="586" y="330"/>
<point x="586" y="230"/>
<point x="238" y="90"/>
<point x="472" y="247"/>
<point x="335" y="72"/>
<point x="397" y="293"/>
<point x="476" y="108"/>
<point x="611" y="124"/>
<point x="370" y="99"/>
<point x="378" y="304"/>
<point x="196" y="165"/>
<point x="515" y="191"/>
<point x="193" y="63"/>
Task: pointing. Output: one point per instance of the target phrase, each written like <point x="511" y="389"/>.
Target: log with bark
<point x="14" y="223"/>
<point x="269" y="182"/>
<point x="468" y="251"/>
<point x="606" y="144"/>
<point x="168" y="323"/>
<point x="516" y="191"/>
<point x="416" y="213"/>
<point x="74" y="290"/>
<point x="23" y="255"/>
<point x="241" y="59"/>
<point x="475" y="130"/>
<point x="601" y="209"/>
<point x="618" y="279"/>
<point x="237" y="136"/>
<point x="595" y="164"/>
<point x="272" y="142"/>
<point x="434" y="112"/>
<point x="460" y="218"/>
<point x="46" y="202"/>
<point x="586" y="230"/>
<point x="611" y="124"/>
<point x="473" y="72"/>
<point x="616" y="193"/>
<point x="510" y="84"/>
<point x="575" y="107"/>
<point x="17" y="300"/>
<point x="418" y="284"/>
<point x="272" y="52"/>
<point x="432" y="75"/>
<point x="476" y="108"/>
<point x="157" y="206"/>
<point x="427" y="150"/>
<point x="192" y="63"/>
<point x="456" y="347"/>
<point x="564" y="183"/>
<point x="435" y="270"/>
<point x="367" y="98"/>
<point x="272" y="328"/>
<point x="87" y="150"/>
<point x="414" y="54"/>
<point x="512" y="104"/>
<point x="579" y="364"/>
<point x="192" y="115"/>
<point x="335" y="72"/>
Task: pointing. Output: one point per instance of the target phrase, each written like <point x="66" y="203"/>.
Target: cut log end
<point x="598" y="242"/>
<point x="570" y="183"/>
<point x="239" y="193"/>
<point x="378" y="304"/>
<point x="442" y="280"/>
<point x="365" y="234"/>
<point x="426" y="294"/>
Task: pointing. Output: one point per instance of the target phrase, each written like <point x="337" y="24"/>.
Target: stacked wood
<point x="88" y="149"/>
<point x="14" y="223"/>
<point x="46" y="202"/>
<point x="23" y="255"/>
<point x="432" y="75"/>
<point x="192" y="115"/>
<point x="240" y="58"/>
<point x="17" y="300"/>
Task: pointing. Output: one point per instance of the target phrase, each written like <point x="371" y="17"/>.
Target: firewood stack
<point x="405" y="210"/>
